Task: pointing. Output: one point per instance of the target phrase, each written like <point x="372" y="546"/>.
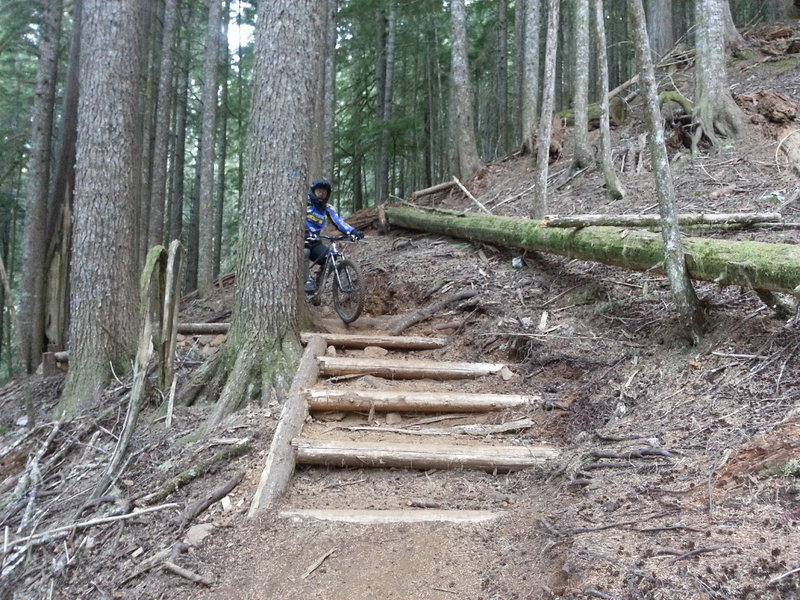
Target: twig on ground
<point x="187" y="574"/>
<point x="317" y="563"/>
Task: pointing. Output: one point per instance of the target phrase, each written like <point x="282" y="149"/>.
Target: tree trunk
<point x="164" y="102"/>
<point x="659" y="26"/>
<point x="262" y="346"/>
<point x="614" y="189"/>
<point x="501" y="74"/>
<point x="31" y="317"/>
<point x="103" y="281"/>
<point x="177" y="183"/>
<point x="583" y="151"/>
<point x="675" y="263"/>
<point x="222" y="133"/>
<point x="384" y="106"/>
<point x="59" y="202"/>
<point x="329" y="113"/>
<point x="715" y="112"/>
<point x="205" y="262"/>
<point x="465" y="150"/>
<point x="539" y="204"/>
<point x="530" y="72"/>
<point x="756" y="265"/>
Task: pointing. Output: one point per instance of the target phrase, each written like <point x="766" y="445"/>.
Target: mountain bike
<point x="347" y="283"/>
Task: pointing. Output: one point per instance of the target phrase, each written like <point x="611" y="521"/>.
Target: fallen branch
<point x="317" y="563"/>
<point x="185" y="477"/>
<point x="202" y="328"/>
<point x="427" y="312"/>
<point x="471" y="197"/>
<point x="187" y="574"/>
<point x="641" y="453"/>
<point x="441" y="187"/>
<point x="59" y="532"/>
<point x="218" y="494"/>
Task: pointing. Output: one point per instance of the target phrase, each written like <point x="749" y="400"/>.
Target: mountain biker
<point x="317" y="213"/>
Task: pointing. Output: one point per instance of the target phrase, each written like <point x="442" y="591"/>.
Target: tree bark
<point x="466" y="150"/>
<point x="205" y="193"/>
<point x="583" y="152"/>
<point x="716" y="115"/>
<point x="262" y="346"/>
<point x="103" y="281"/>
<point x="384" y="107"/>
<point x="32" y="305"/>
<point x="756" y="265"/>
<point x="539" y="204"/>
<point x="614" y="189"/>
<point x="683" y="293"/>
<point x="659" y="26"/>
<point x="530" y="72"/>
<point x="164" y="103"/>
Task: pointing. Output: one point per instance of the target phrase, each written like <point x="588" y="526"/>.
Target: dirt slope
<point x="661" y="490"/>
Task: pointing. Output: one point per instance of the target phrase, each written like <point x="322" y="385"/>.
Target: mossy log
<point x="757" y="265"/>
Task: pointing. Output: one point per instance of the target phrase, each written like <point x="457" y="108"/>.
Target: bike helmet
<point x="319" y="184"/>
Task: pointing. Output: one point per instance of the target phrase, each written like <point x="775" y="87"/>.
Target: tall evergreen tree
<point x="262" y="345"/>
<point x="464" y="148"/>
<point x="32" y="305"/>
<point x="103" y="279"/>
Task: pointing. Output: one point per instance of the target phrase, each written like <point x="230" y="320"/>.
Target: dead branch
<point x="187" y="574"/>
<point x="441" y="187"/>
<point x="471" y="197"/>
<point x="63" y="531"/>
<point x="202" y="328"/>
<point x="641" y="453"/>
<point x="317" y="563"/>
<point x="427" y="312"/>
<point x="183" y="478"/>
<point x="218" y="494"/>
<point x="695" y="552"/>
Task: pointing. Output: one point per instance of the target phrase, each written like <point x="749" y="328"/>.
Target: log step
<point x="404" y="369"/>
<point x="326" y="399"/>
<point x="379" y="517"/>
<point x="399" y="342"/>
<point x="419" y="456"/>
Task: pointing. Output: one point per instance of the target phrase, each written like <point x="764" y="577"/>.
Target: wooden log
<point x="757" y="265"/>
<point x="404" y="369"/>
<point x="441" y="187"/>
<point x="420" y="456"/>
<point x="281" y="460"/>
<point x="426" y="312"/>
<point x="653" y="220"/>
<point x="378" y="517"/>
<point x="346" y="340"/>
<point x="215" y="496"/>
<point x="361" y="400"/>
<point x="203" y="328"/>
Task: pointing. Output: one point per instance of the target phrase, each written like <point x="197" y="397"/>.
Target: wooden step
<point x="326" y="399"/>
<point x="378" y="517"/>
<point x="419" y="456"/>
<point x="404" y="369"/>
<point x="398" y="342"/>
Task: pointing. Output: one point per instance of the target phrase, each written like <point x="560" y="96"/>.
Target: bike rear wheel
<point x="348" y="291"/>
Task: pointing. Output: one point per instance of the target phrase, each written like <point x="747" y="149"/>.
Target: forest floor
<point x="678" y="466"/>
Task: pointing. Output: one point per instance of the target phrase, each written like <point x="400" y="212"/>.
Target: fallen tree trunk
<point x="332" y="366"/>
<point x="441" y="187"/>
<point x="757" y="265"/>
<point x="653" y="220"/>
<point x="203" y="328"/>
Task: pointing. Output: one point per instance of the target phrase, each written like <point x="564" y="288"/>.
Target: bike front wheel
<point x="348" y="291"/>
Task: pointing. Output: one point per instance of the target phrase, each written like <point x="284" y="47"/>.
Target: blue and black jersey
<point x="316" y="217"/>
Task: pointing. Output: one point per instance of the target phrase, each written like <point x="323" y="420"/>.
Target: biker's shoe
<point x="310" y="286"/>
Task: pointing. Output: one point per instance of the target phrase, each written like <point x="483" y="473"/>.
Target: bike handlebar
<point x="330" y="238"/>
